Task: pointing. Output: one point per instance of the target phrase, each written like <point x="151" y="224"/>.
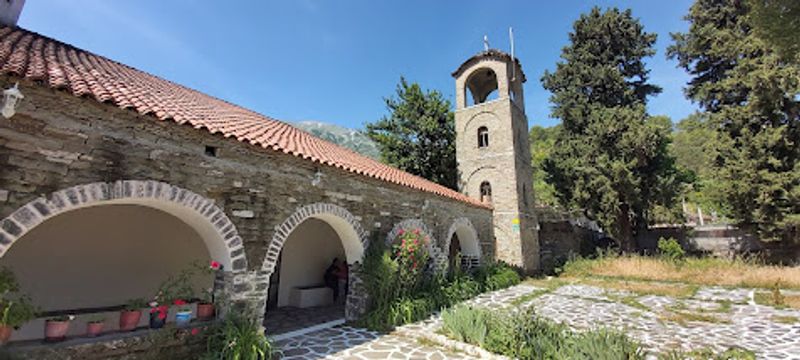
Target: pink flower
<point x="215" y="265"/>
<point x="195" y="331"/>
<point x="416" y="231"/>
<point x="401" y="232"/>
<point x="179" y="302"/>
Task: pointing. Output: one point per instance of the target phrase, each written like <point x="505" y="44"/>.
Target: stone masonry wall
<point x="57" y="141"/>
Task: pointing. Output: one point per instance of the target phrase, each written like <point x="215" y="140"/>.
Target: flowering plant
<point x="159" y="309"/>
<point x="411" y="253"/>
<point x="182" y="305"/>
<point x="207" y="295"/>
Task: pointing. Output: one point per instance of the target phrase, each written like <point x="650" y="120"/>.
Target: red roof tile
<point x="34" y="57"/>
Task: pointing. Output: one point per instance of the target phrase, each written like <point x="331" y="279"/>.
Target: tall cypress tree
<point x="610" y="157"/>
<point x="750" y="95"/>
<point x="418" y="135"/>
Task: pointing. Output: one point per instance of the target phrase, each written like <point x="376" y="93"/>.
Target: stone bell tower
<point x="493" y="152"/>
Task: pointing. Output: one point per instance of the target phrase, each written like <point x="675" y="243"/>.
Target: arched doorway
<point x="463" y="244"/>
<point x="303" y="248"/>
<point x="89" y="249"/>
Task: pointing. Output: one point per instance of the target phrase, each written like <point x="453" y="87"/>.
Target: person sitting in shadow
<point x="331" y="280"/>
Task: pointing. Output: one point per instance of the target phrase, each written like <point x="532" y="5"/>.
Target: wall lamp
<point x="11" y="98"/>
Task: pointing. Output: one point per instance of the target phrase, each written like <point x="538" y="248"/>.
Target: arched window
<point x="486" y="192"/>
<point x="483" y="137"/>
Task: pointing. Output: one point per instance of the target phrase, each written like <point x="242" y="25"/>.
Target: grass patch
<point x="709" y="354"/>
<point x="780" y="301"/>
<point x="529" y="296"/>
<point x="643" y="287"/>
<point x="683" y="317"/>
<point x="629" y="300"/>
<point x="700" y="271"/>
<point x="550" y="283"/>
<point x="790" y="320"/>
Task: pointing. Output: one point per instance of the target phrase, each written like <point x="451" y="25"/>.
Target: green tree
<point x="693" y="147"/>
<point x="778" y="22"/>
<point x="418" y="134"/>
<point x="543" y="140"/>
<point x="751" y="99"/>
<point x="610" y="158"/>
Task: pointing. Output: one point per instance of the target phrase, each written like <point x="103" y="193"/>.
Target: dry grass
<point x="703" y="271"/>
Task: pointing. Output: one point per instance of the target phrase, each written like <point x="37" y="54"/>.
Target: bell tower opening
<point x="497" y="171"/>
<point x="481" y="87"/>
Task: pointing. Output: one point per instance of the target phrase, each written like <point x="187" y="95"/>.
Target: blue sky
<point x="334" y="61"/>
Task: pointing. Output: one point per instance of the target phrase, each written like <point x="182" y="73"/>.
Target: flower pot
<point x="182" y="318"/>
<point x="5" y="333"/>
<point x="205" y="311"/>
<point x="55" y="330"/>
<point x="129" y="320"/>
<point x="94" y="328"/>
<point x="157" y="319"/>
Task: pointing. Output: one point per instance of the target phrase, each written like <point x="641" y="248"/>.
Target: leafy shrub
<point x="238" y="337"/>
<point x="709" y="354"/>
<point x="466" y="324"/>
<point x="393" y="302"/>
<point x="15" y="307"/>
<point x="523" y="335"/>
<point x="603" y="344"/>
<point x="496" y="275"/>
<point x="671" y="249"/>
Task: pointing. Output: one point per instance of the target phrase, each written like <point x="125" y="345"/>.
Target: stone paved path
<point x="735" y="321"/>
<point x="344" y="342"/>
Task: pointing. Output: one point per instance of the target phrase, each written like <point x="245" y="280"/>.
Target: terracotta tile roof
<point x="34" y="57"/>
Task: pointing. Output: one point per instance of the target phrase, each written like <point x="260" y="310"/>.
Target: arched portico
<point x="309" y="239"/>
<point x="91" y="248"/>
<point x="210" y="222"/>
<point x="468" y="242"/>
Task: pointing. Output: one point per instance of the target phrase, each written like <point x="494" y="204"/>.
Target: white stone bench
<point x="310" y="296"/>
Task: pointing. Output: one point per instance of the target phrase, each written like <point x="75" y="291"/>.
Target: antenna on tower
<point x="485" y="43"/>
<point x="513" y="62"/>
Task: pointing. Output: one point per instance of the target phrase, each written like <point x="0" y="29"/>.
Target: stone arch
<point x="480" y="83"/>
<point x="467" y="235"/>
<point x="216" y="229"/>
<point x="489" y="119"/>
<point x="353" y="237"/>
<point x="407" y="224"/>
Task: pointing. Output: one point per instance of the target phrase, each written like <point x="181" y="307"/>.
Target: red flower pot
<point x="129" y="320"/>
<point x="5" y="333"/>
<point x="55" y="330"/>
<point x="205" y="311"/>
<point x="94" y="328"/>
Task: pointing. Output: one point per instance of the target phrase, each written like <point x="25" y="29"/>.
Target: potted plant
<point x="95" y="324"/>
<point x="15" y="308"/>
<point x="205" y="308"/>
<point x="55" y="329"/>
<point x="184" y="313"/>
<point x="14" y="313"/>
<point x="129" y="316"/>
